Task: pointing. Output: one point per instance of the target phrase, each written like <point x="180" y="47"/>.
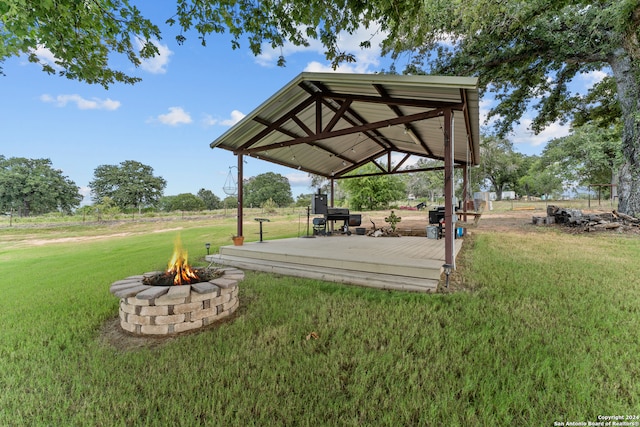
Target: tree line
<point x="590" y="154"/>
<point x="34" y="187"/>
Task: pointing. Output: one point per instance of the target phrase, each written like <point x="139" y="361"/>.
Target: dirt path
<point x="31" y="240"/>
<point x="413" y="222"/>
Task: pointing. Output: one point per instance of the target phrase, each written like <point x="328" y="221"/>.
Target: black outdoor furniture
<point x="336" y="214"/>
<point x="261" y="220"/>
<point x="319" y="226"/>
<point x="436" y="215"/>
<point x="342" y="214"/>
<point x="339" y="214"/>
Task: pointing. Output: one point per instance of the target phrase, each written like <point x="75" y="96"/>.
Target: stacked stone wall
<point x="166" y="310"/>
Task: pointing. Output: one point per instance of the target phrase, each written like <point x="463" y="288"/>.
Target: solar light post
<point x="447" y="271"/>
<point x="208" y="246"/>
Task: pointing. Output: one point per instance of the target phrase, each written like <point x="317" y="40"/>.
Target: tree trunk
<point x="499" y="193"/>
<point x="26" y="208"/>
<point x="628" y="85"/>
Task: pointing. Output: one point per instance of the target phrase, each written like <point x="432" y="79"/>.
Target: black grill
<point x="337" y="214"/>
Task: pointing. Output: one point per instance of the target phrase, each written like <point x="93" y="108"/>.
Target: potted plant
<point x="237" y="240"/>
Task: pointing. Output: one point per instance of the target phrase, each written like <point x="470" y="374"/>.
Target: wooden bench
<point x="463" y="224"/>
<point x="468" y="224"/>
<point x="475" y="214"/>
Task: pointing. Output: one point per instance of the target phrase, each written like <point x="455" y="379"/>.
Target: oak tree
<point x="499" y="164"/>
<point x="33" y="186"/>
<point x="130" y="185"/>
<point x="527" y="53"/>
<point x="591" y="154"/>
<point x="372" y="192"/>
<point x="182" y="202"/>
<point x="270" y="185"/>
<point x="211" y="201"/>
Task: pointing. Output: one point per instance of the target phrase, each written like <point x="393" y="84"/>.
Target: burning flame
<point x="179" y="267"/>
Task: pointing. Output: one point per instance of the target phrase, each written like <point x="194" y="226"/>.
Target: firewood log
<point x="607" y="226"/>
<point x="626" y="217"/>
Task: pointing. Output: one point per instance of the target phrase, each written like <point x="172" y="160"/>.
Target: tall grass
<point x="548" y="333"/>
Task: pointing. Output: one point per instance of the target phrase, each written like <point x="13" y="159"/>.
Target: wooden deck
<point x="401" y="263"/>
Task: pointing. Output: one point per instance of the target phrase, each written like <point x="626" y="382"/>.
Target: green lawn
<point x="546" y="332"/>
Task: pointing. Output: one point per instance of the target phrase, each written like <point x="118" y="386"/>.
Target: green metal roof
<point x="329" y="124"/>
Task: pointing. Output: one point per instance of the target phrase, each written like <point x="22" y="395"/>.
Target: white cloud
<point x="367" y="59"/>
<point x="299" y="179"/>
<point x="269" y="56"/>
<point x="354" y="67"/>
<point x="46" y="56"/>
<point x="593" y="77"/>
<point x="176" y="116"/>
<point x="82" y="103"/>
<point x="236" y="116"/>
<point x="158" y="64"/>
<point x="522" y="134"/>
<point x="485" y="105"/>
<point x="85" y="192"/>
<point x="523" y="138"/>
<point x="209" y="120"/>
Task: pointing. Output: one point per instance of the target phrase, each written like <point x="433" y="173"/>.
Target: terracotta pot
<point x="238" y="240"/>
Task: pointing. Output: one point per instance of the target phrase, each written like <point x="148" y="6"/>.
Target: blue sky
<point x="188" y="97"/>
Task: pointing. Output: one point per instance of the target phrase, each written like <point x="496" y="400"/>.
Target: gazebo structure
<point x="330" y="124"/>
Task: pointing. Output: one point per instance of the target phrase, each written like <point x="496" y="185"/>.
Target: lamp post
<point x="447" y="271"/>
<point x="208" y="246"/>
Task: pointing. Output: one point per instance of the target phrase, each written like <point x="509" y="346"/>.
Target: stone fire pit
<point x="168" y="310"/>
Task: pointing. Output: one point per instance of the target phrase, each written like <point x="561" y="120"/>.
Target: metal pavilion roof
<point x="330" y="124"/>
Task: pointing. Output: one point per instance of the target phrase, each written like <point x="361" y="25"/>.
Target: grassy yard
<point x="546" y="331"/>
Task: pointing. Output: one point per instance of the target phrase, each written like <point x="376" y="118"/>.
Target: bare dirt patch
<point x="42" y="242"/>
<point x="515" y="221"/>
<point x="77" y="239"/>
<point x="416" y="222"/>
<point x="112" y="335"/>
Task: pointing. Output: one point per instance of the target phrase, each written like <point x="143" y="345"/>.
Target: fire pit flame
<point x="179" y="272"/>
<point x="179" y="267"/>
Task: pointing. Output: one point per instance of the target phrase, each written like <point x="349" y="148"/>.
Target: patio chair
<point x="319" y="226"/>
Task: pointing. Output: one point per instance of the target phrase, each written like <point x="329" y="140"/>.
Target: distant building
<point x="508" y="195"/>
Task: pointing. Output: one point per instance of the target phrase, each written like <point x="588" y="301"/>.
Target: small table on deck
<point x="261" y="220"/>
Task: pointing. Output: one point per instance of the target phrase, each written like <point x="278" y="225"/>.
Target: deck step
<point x="353" y="261"/>
<point x="338" y="275"/>
<point x="405" y="263"/>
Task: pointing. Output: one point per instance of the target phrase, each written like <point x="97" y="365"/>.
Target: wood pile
<point x="587" y="221"/>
